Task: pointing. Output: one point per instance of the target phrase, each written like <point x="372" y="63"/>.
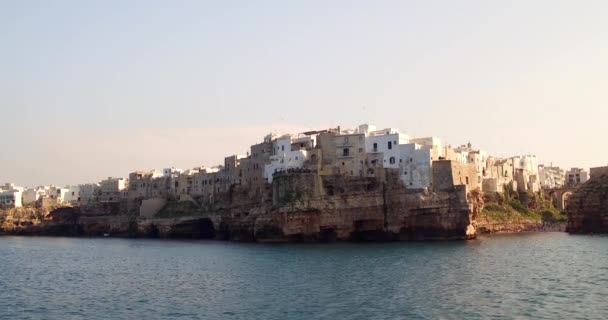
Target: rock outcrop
<point x="587" y="208"/>
<point x="298" y="207"/>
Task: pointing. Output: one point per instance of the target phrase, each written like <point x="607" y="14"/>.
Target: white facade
<point x="415" y="165"/>
<point x="11" y="198"/>
<point x="172" y="172"/>
<point x="526" y="168"/>
<point x="280" y="163"/>
<point x="433" y="142"/>
<point x="281" y="145"/>
<point x="72" y="195"/>
<point x="551" y="177"/>
<point x="387" y="142"/>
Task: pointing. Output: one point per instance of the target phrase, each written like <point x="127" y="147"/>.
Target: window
<point x="375" y="147"/>
<point x="282" y="148"/>
<point x="345" y="152"/>
<point x="390" y="145"/>
<point x="360" y="150"/>
<point x="405" y="173"/>
<point x="467" y="180"/>
<point x="392" y="160"/>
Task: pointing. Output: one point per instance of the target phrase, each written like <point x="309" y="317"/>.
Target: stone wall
<point x="587" y="208"/>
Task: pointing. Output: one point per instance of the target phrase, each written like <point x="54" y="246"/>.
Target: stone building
<point x="145" y="184"/>
<point x="499" y="173"/>
<point x="113" y="189"/>
<point x="88" y="192"/>
<point x="350" y="154"/>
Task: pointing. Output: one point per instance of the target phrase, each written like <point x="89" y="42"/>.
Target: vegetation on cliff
<point x="513" y="207"/>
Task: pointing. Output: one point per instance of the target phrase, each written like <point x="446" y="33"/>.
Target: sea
<point x="521" y="276"/>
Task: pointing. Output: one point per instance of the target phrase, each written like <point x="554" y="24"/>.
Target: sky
<point x="92" y="89"/>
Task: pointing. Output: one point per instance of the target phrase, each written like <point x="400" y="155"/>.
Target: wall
<point x="350" y="154"/>
<point x="151" y="207"/>
<point x="448" y="173"/>
<point x="415" y="166"/>
<point x="30" y="196"/>
<point x="598" y="171"/>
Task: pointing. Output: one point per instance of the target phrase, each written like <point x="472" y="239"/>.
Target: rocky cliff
<point x="298" y="207"/>
<point x="588" y="207"/>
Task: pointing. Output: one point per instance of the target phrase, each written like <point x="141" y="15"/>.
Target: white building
<point x="172" y="172"/>
<point x="387" y="142"/>
<point x="551" y="177"/>
<point x="437" y="151"/>
<point x="281" y="145"/>
<point x="11" y="198"/>
<point x="72" y="195"/>
<point x="284" y="162"/>
<point x="526" y="173"/>
<point x="415" y="165"/>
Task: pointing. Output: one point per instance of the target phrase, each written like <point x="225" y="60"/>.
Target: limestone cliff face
<point x="298" y="207"/>
<point x="310" y="208"/>
<point x="588" y="207"/>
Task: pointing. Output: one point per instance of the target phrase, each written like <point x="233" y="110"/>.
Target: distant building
<point x="387" y="142"/>
<point x="11" y="198"/>
<point x="551" y="177"/>
<point x="113" y="189"/>
<point x="576" y="176"/>
<point x="88" y="192"/>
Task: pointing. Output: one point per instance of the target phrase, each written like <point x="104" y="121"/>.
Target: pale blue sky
<point x="90" y="89"/>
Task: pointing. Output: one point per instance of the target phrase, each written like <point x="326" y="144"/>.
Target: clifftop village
<point x="361" y="152"/>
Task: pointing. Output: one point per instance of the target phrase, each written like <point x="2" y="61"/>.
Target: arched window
<point x="392" y="160"/>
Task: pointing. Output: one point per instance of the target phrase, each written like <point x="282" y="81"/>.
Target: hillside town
<point x="365" y="151"/>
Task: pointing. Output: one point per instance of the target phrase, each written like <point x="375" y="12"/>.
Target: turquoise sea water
<point x="528" y="276"/>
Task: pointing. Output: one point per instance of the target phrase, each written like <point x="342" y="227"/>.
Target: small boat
<point x="106" y="234"/>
